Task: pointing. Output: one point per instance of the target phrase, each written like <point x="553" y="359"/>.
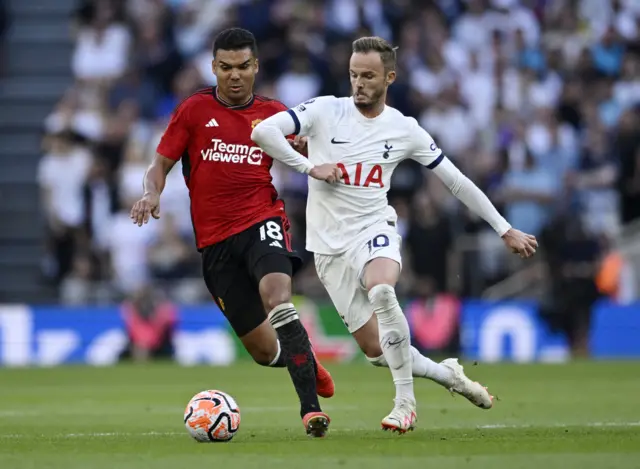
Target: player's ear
<point x="256" y="65"/>
<point x="213" y="67"/>
<point x="391" y="77"/>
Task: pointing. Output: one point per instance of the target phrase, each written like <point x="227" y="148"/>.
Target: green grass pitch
<point x="581" y="415"/>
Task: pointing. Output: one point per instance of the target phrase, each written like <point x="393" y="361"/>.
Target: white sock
<point x="277" y="357"/>
<point x="394" y="338"/>
<point x="421" y="367"/>
<point x="424" y="367"/>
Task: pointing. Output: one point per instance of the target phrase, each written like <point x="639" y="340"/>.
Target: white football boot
<point x="476" y="393"/>
<point x="402" y="418"/>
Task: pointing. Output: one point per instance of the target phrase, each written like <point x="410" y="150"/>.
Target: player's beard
<point x="376" y="97"/>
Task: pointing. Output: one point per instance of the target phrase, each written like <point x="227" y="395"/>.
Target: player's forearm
<point x="470" y="195"/>
<point x="156" y="176"/>
<point x="270" y="136"/>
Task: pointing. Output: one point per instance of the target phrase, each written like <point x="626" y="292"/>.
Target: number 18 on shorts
<point x="271" y="232"/>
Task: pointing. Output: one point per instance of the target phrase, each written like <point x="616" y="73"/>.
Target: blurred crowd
<point x="536" y="100"/>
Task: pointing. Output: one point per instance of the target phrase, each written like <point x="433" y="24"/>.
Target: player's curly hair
<point x="235" y="39"/>
<point x="377" y="44"/>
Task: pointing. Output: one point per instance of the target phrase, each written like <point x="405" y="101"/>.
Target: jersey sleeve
<point x="306" y="115"/>
<point x="280" y="107"/>
<point x="175" y="138"/>
<point x="425" y="151"/>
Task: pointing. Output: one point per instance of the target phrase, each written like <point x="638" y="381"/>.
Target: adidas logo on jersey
<point x="212" y="123"/>
<point x="276" y="244"/>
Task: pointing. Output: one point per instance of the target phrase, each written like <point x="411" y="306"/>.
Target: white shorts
<point x="341" y="274"/>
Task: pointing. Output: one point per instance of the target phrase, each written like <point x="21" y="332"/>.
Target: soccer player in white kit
<point x="354" y="144"/>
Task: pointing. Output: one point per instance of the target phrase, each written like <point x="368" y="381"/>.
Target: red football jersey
<point x="227" y="174"/>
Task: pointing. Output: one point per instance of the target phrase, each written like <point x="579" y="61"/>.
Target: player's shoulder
<point x="397" y="121"/>
<point x="190" y="105"/>
<point x="199" y="97"/>
<point x="320" y="102"/>
<point x="396" y="115"/>
<point x="270" y="105"/>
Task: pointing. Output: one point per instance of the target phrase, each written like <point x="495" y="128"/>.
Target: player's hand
<point x="520" y="243"/>
<point x="327" y="172"/>
<point x="149" y="205"/>
<point x="299" y="144"/>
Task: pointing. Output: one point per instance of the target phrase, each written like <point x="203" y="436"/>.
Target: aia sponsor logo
<point x="232" y="153"/>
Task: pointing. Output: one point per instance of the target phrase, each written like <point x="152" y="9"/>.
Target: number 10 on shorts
<point x="380" y="241"/>
<point x="273" y="232"/>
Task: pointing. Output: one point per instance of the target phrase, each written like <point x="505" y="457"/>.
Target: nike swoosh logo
<point x="334" y="141"/>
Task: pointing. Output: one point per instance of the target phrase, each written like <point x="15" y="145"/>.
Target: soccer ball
<point x="212" y="416"/>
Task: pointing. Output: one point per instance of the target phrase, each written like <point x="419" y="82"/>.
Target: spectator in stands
<point x="100" y="203"/>
<point x="572" y="256"/>
<point x="102" y="45"/>
<point x="171" y="256"/>
<point x="627" y="146"/>
<point x="128" y="248"/>
<point x="150" y="321"/>
<point x="61" y="175"/>
<point x="529" y="191"/>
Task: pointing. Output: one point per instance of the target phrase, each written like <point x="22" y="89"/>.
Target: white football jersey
<point x="367" y="151"/>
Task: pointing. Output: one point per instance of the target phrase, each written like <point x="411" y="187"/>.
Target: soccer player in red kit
<point x="240" y="225"/>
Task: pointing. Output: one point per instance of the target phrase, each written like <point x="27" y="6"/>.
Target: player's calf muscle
<point x="275" y="289"/>
<point x="261" y="343"/>
<point x="367" y="338"/>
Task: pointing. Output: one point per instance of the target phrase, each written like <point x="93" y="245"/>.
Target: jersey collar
<point x="366" y="120"/>
<point x="236" y="107"/>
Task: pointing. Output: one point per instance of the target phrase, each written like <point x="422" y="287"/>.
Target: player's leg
<point x="380" y="277"/>
<point x="235" y="293"/>
<point x="275" y="291"/>
<point x="341" y="280"/>
<point x="273" y="263"/>
<point x="448" y="373"/>
<point x="421" y="367"/>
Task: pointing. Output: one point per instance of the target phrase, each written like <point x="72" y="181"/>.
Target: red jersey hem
<point x="215" y="239"/>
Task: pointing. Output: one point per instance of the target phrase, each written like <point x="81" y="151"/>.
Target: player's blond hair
<point x="387" y="52"/>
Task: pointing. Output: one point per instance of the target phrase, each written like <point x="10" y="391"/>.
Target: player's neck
<point x="373" y="111"/>
<point x="233" y="102"/>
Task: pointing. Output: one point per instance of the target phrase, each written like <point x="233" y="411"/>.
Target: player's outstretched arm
<point x="427" y="153"/>
<point x="270" y="135"/>
<point x="153" y="184"/>
<point x="469" y="194"/>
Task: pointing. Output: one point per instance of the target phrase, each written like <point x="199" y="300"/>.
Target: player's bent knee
<point x="381" y="271"/>
<point x="263" y="357"/>
<point x="383" y="297"/>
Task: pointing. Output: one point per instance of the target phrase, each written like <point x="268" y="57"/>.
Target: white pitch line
<point x="498" y="426"/>
<point x="339" y="430"/>
<point x="157" y="410"/>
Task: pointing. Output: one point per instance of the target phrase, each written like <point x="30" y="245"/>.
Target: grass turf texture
<point x="582" y="415"/>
